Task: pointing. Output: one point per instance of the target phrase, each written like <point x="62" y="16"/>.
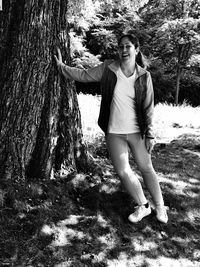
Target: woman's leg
<point x="143" y="160"/>
<point x="118" y="151"/>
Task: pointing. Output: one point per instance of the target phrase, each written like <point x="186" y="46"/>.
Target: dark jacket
<point x="105" y="74"/>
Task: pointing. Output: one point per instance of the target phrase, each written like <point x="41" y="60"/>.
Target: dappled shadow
<point x="82" y="221"/>
<point x="110" y="239"/>
<point x="179" y="173"/>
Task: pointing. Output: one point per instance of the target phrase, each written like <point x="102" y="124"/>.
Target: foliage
<point x="194" y="62"/>
<point x="168" y="31"/>
<point x="163" y="88"/>
<point x="81" y="56"/>
<point x="103" y="42"/>
<point x="175" y="31"/>
<point x="84" y="10"/>
<point x="103" y="29"/>
<point x="181" y="37"/>
<point x="190" y="89"/>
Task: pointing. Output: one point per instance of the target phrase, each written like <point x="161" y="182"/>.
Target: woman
<point x="126" y="118"/>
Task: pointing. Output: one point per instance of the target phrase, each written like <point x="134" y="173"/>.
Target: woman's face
<point x="127" y="50"/>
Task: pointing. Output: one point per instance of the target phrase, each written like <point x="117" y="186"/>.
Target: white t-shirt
<point x="122" y="113"/>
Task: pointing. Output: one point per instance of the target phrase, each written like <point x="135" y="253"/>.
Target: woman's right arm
<point x="81" y="75"/>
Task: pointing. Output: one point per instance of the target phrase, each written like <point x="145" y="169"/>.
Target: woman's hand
<point x="58" y="57"/>
<point x="149" y="144"/>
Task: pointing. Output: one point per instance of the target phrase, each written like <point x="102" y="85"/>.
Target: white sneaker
<point x="161" y="213"/>
<point x="139" y="214"/>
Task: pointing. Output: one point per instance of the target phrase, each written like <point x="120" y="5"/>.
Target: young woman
<point x="126" y="118"/>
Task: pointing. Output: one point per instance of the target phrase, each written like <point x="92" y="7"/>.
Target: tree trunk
<point x="40" y="129"/>
<point x="184" y="52"/>
<point x="178" y="78"/>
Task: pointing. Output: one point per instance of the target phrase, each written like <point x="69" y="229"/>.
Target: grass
<point x="169" y="120"/>
<point x="82" y="220"/>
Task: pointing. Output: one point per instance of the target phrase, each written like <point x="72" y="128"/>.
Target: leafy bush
<point x="163" y="82"/>
<point x="190" y="89"/>
<point x="81" y="56"/>
<point x="102" y="41"/>
<point x="163" y="89"/>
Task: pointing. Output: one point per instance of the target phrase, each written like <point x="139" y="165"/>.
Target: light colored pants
<point x="118" y="147"/>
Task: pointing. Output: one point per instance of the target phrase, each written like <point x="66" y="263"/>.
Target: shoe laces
<point x="162" y="210"/>
<point x="138" y="209"/>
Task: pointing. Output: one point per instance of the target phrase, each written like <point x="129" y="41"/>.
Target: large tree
<point x="40" y="128"/>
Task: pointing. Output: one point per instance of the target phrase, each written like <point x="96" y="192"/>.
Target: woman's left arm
<point x="149" y="110"/>
<point x="149" y="107"/>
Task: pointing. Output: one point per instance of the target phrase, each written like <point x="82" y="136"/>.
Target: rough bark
<point x="40" y="130"/>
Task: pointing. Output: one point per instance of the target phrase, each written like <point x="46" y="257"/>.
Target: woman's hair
<point x="140" y="58"/>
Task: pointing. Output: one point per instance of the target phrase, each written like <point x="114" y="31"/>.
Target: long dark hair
<point x="140" y="58"/>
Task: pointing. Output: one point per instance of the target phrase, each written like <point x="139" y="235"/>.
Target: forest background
<point x="168" y="31"/>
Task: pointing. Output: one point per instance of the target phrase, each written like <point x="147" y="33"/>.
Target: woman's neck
<point x="127" y="68"/>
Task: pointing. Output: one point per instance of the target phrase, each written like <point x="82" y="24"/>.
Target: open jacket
<point x="105" y="73"/>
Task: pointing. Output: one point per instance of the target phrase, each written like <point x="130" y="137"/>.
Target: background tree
<point x="182" y="37"/>
<point x="175" y="34"/>
<point x="40" y="129"/>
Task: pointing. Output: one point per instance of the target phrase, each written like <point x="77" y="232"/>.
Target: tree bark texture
<point x="40" y="128"/>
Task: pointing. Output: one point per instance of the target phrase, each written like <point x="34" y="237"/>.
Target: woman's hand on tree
<point x="58" y="57"/>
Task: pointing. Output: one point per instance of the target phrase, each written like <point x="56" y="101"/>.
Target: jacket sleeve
<point x="149" y="107"/>
<point x="82" y="75"/>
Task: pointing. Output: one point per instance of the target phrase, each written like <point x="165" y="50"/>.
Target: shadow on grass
<point x="83" y="222"/>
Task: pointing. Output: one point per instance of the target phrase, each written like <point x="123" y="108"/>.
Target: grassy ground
<point x="82" y="220"/>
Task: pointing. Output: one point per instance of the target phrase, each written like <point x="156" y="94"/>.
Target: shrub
<point x="190" y="90"/>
